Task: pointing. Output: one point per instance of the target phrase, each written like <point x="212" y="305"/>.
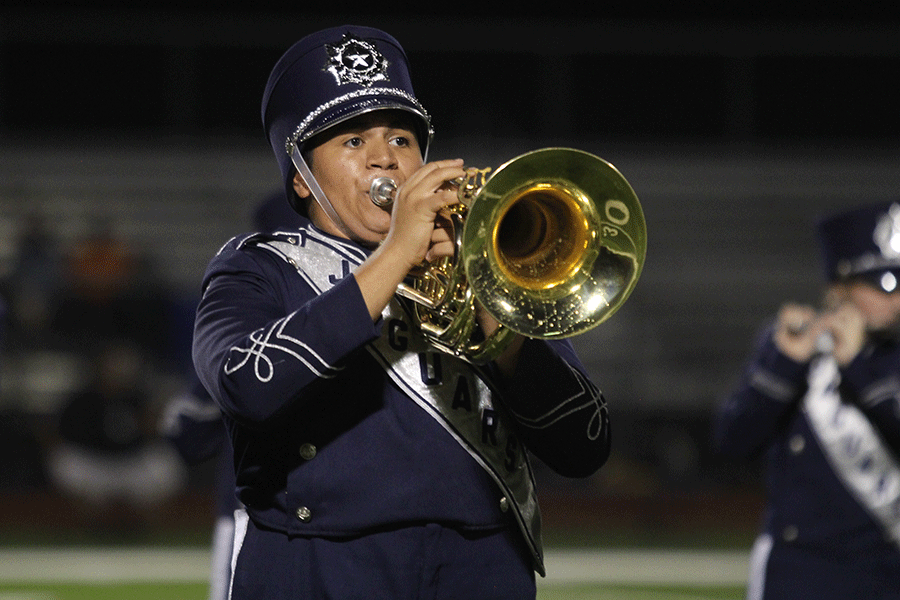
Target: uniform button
<point x="504" y="504"/>
<point x="797" y="444"/>
<point x="307" y="451"/>
<point x="304" y="514"/>
<point x="790" y="533"/>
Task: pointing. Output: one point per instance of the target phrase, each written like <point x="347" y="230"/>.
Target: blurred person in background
<point x="34" y="284"/>
<point x="107" y="455"/>
<point x="193" y="424"/>
<point x="820" y="399"/>
<point x="368" y="464"/>
<point x="112" y="292"/>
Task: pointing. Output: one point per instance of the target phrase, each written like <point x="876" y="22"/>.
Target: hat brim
<point x="360" y="102"/>
<point x="884" y="280"/>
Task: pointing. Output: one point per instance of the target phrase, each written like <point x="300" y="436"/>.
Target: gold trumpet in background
<point x="551" y="244"/>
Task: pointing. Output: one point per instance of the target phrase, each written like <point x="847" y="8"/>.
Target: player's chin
<point x="378" y="220"/>
<point x="374" y="234"/>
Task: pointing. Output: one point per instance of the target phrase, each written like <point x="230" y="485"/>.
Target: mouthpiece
<point x="382" y="191"/>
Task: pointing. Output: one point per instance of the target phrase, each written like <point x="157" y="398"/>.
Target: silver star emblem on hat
<point x="357" y="61"/>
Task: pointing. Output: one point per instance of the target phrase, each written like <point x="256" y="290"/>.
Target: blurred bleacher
<point x="735" y="130"/>
<point x="730" y="237"/>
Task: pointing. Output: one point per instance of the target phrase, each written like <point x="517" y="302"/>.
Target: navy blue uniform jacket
<point x="824" y="541"/>
<point x="325" y="443"/>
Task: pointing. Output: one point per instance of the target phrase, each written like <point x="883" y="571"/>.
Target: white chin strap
<point x="315" y="190"/>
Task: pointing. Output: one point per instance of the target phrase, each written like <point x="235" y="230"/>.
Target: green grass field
<point x="179" y="573"/>
<point x="197" y="591"/>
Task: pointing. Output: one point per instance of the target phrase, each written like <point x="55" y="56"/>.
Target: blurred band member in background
<point x="821" y="401"/>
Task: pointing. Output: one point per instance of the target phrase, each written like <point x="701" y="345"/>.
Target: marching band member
<point x="368" y="464"/>
<point x="821" y="400"/>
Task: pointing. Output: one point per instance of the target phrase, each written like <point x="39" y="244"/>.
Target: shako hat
<point x="863" y="242"/>
<point x="329" y="77"/>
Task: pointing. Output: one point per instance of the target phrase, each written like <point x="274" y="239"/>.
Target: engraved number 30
<point x="616" y="212"/>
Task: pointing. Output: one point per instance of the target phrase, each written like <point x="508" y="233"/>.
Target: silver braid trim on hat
<point x="868" y="262"/>
<point x="300" y="134"/>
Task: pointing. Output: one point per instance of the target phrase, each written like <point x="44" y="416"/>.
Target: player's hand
<point x="847" y="326"/>
<point x="797" y="331"/>
<point x="443" y="239"/>
<point x="508" y="360"/>
<point x="417" y="231"/>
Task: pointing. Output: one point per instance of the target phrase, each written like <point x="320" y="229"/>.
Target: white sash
<point x="453" y="392"/>
<point x="854" y="448"/>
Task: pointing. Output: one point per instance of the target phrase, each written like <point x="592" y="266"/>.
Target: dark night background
<point x="736" y="123"/>
<point x="645" y="71"/>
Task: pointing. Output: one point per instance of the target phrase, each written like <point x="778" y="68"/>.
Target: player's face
<point x="344" y="163"/>
<point x="881" y="309"/>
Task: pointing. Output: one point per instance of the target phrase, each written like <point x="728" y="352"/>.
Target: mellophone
<point x="551" y="244"/>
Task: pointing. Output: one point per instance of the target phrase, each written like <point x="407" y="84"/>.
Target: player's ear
<point x="300" y="187"/>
